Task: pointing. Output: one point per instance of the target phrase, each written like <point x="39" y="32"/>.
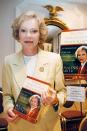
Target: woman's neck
<point x="30" y="52"/>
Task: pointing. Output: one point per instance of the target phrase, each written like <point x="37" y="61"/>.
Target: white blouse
<point x="30" y="62"/>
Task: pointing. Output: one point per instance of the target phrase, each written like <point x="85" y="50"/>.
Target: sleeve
<point x="59" y="81"/>
<point x="8" y="101"/>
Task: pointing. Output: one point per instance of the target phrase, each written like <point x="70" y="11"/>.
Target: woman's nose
<point x="28" y="33"/>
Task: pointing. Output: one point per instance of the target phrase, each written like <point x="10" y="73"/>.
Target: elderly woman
<point x="81" y="55"/>
<point x="34" y="108"/>
<point x="31" y="32"/>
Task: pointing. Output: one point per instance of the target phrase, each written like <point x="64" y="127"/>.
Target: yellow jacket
<point x="49" y="69"/>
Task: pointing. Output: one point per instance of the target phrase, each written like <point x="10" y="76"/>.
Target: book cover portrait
<point x="29" y="103"/>
<point x="73" y="50"/>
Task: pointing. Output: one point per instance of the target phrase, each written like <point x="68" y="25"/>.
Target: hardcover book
<point x="28" y="104"/>
<point x="71" y="41"/>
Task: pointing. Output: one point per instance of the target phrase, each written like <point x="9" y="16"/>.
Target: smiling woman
<point x="29" y="36"/>
<point x="31" y="61"/>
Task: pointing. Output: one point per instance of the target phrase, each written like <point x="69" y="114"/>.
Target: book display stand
<point x="71" y="40"/>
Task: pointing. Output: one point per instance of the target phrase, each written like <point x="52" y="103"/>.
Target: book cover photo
<point x="73" y="50"/>
<point x="72" y="66"/>
<point x="28" y="104"/>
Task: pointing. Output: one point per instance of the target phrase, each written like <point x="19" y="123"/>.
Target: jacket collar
<point x="19" y="68"/>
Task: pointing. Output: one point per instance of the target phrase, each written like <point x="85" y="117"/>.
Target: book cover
<point x="28" y="104"/>
<point x="71" y="41"/>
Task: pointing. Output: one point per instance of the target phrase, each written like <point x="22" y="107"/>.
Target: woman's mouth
<point x="28" y="41"/>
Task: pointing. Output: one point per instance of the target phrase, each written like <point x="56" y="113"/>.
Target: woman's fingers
<point x="48" y="96"/>
<point x="44" y="97"/>
<point x="10" y="115"/>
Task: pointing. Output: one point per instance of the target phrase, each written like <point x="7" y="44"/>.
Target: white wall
<point x="7" y="14"/>
<point x="74" y="16"/>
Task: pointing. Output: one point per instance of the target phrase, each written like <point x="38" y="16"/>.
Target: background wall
<point x="74" y="15"/>
<point x="7" y="14"/>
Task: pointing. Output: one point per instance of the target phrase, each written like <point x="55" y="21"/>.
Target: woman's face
<point x="82" y="56"/>
<point x="29" y="34"/>
<point x="34" y="102"/>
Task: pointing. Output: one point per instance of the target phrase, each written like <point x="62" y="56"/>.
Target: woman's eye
<point x="22" y="30"/>
<point x="34" y="31"/>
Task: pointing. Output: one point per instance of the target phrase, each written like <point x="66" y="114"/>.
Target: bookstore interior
<point x="71" y="44"/>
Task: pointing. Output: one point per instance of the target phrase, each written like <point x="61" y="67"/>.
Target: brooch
<point x="41" y="69"/>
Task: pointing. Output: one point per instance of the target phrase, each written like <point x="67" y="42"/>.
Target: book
<point x="28" y="104"/>
<point x="71" y="40"/>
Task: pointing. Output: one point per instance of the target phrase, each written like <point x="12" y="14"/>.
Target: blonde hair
<point x="80" y="48"/>
<point x="29" y="15"/>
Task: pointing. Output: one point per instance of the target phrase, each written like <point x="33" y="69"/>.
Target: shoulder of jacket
<point x="51" y="55"/>
<point x="11" y="57"/>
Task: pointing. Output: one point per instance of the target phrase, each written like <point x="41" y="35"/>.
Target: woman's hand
<point x="49" y="97"/>
<point x="11" y="116"/>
